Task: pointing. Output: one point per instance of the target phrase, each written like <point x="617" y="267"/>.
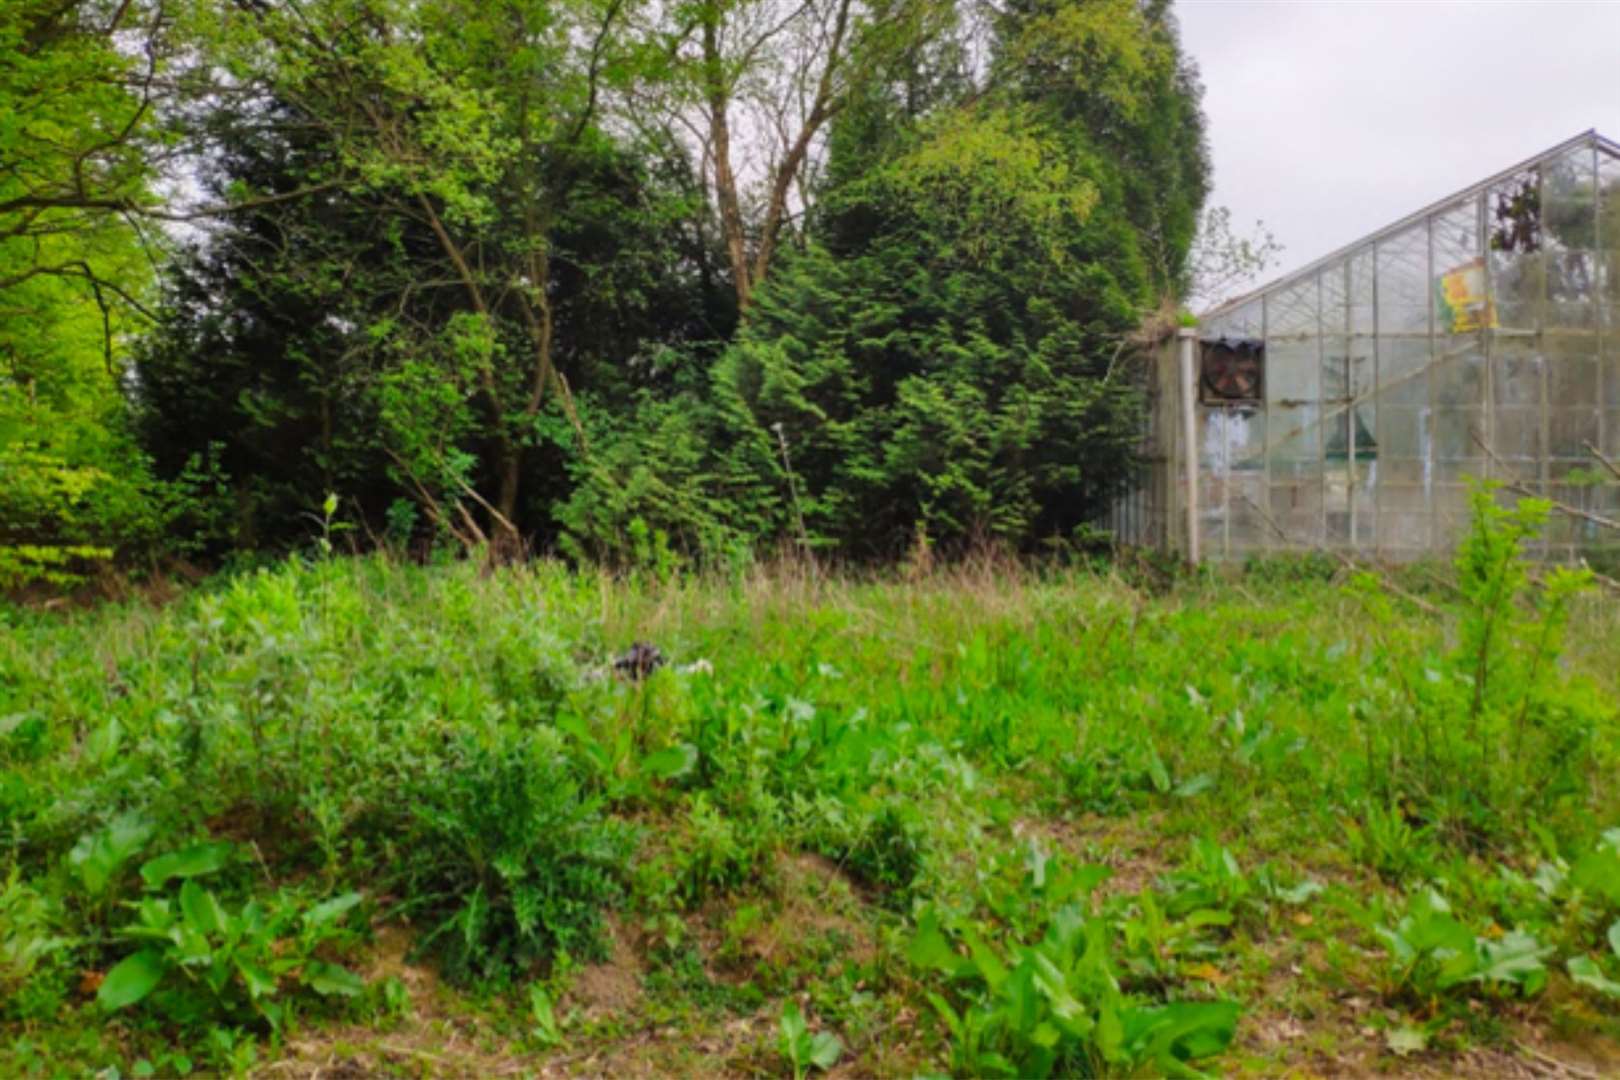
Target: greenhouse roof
<point x="1587" y="138"/>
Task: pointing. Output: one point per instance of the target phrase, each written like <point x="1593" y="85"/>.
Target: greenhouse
<point x="1349" y="405"/>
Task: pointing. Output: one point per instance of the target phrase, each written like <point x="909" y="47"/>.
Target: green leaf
<point x="1195" y="786"/>
<point x="1598" y="872"/>
<point x="1300" y="893"/>
<point x="98" y="856"/>
<point x="329" y="910"/>
<point x="328" y="979"/>
<point x="793" y="1025"/>
<point x="990" y="967"/>
<point x="930" y="948"/>
<point x="1584" y="970"/>
<point x="1035" y="860"/>
<point x="135" y="976"/>
<point x="1157" y="772"/>
<point x="1207" y="917"/>
<point x="825" y="1050"/>
<point x="1110" y="1034"/>
<point x="546" y="1032"/>
<point x="1614" y="937"/>
<point x="258" y="981"/>
<point x="1169" y="1035"/>
<point x="1516" y="958"/>
<point x="201" y="909"/>
<point x="103" y="743"/>
<point x="671" y="763"/>
<point x="1406" y="1040"/>
<point x="195" y="861"/>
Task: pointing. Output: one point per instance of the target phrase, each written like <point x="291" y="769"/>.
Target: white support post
<point x="1187" y="340"/>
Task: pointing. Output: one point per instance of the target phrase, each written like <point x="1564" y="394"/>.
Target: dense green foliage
<point x="1077" y="825"/>
<point x="500" y="276"/>
<point x="946" y="371"/>
<point x="666" y="290"/>
<point x="940" y="357"/>
<point x="73" y="485"/>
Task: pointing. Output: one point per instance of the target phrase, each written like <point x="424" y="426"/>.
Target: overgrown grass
<point x="1079" y="825"/>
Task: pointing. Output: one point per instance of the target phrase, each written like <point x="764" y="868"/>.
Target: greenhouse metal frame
<point x="1349" y="406"/>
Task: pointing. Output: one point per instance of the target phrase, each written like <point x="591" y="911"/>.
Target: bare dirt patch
<point x="611" y="988"/>
<point x="443" y="1035"/>
<point x="1133" y="847"/>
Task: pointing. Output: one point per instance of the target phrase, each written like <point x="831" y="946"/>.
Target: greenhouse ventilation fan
<point x="1233" y="371"/>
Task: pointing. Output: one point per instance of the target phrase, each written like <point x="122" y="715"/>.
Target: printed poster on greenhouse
<point x="1461" y="301"/>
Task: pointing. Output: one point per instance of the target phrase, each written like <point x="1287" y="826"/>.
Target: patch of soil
<point x="442" y="1037"/>
<point x="817" y="900"/>
<point x="1128" y="846"/>
<point x="613" y="987"/>
<point x="729" y="1048"/>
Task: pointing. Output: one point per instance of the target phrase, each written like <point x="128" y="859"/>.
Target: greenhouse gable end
<point x="1347" y="406"/>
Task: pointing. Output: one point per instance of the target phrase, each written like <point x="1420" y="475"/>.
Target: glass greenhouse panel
<point x="1403" y="286"/>
<point x="1350" y="404"/>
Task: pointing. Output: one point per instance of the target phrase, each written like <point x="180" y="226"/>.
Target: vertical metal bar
<point x="1486" y="334"/>
<point x="1544" y="435"/>
<point x="1600" y="308"/>
<point x="1226" y="481"/>
<point x="1321" y="423"/>
<point x="1427" y="434"/>
<point x="1186" y="337"/>
<point x="1350" y="397"/>
<point x="1378" y="389"/>
<point x="1265" y="412"/>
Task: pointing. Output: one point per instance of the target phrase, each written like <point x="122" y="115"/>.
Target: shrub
<point x="201" y="961"/>
<point x="507" y="863"/>
<point x="1492" y="734"/>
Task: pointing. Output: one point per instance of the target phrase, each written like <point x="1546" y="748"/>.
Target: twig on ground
<point x="1560" y="1068"/>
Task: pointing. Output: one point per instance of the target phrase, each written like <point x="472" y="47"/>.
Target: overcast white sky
<point x="1331" y="118"/>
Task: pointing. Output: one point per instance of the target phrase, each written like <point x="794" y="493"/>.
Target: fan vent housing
<point x="1234" y="372"/>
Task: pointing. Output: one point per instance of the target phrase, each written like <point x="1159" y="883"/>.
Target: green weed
<point x="1258" y="762"/>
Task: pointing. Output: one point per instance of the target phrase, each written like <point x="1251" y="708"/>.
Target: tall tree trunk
<point x="506" y="540"/>
<point x="725" y="178"/>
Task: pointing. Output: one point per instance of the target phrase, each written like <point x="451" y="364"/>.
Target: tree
<point x="946" y="355"/>
<point x="383" y="334"/>
<point x="77" y="139"/>
<point x="77" y="145"/>
<point x="1222" y="261"/>
<point x="779" y="71"/>
<point x="1112" y="72"/>
<point x="943" y="350"/>
<point x="478" y="126"/>
<point x="946" y="365"/>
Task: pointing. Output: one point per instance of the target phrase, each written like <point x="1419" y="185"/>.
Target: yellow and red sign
<point x="1461" y="299"/>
